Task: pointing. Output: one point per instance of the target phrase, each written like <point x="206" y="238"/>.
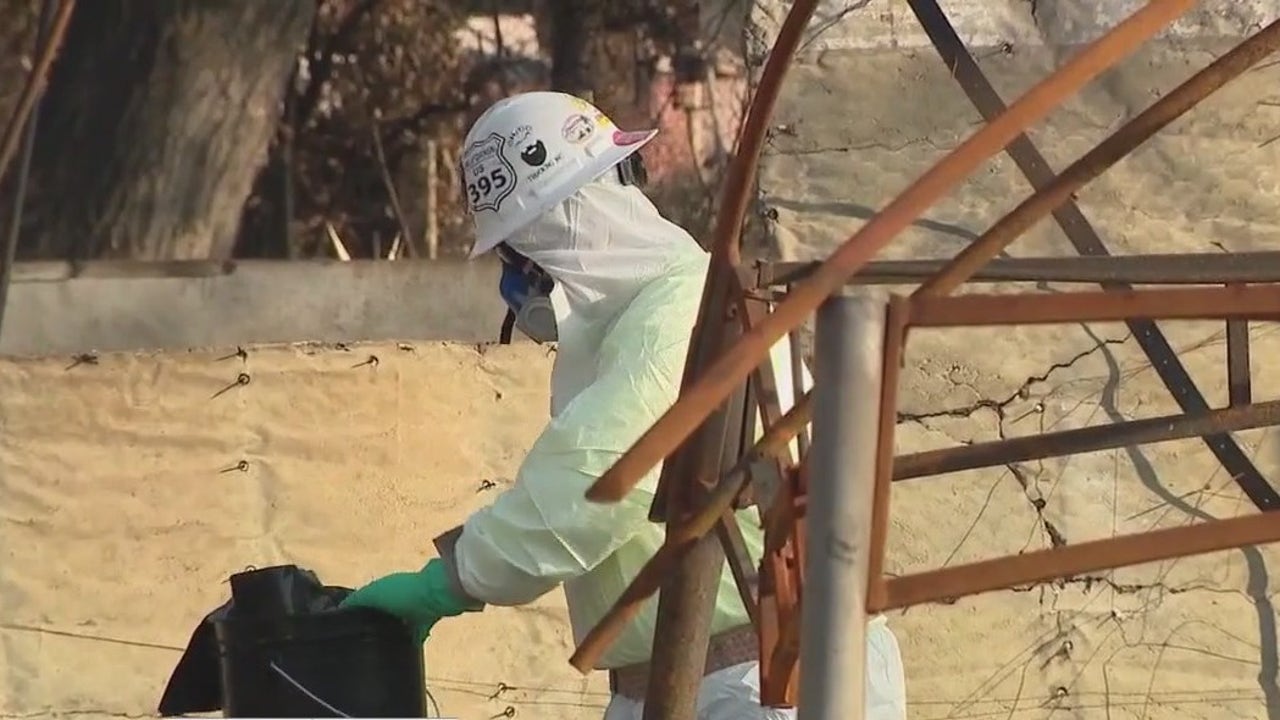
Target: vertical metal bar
<point x="764" y="398"/>
<point x="895" y="338"/>
<point x="784" y="551"/>
<point x="740" y="437"/>
<point x="849" y="357"/>
<point x="798" y="388"/>
<point x="1239" y="378"/>
<point x="739" y="558"/>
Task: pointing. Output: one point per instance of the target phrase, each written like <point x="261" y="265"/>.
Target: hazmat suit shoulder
<point x="543" y="531"/>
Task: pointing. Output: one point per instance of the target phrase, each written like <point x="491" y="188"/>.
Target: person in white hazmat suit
<point x="590" y="264"/>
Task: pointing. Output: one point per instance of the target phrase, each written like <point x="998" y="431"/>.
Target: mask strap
<point x="632" y="171"/>
<point x="508" y="327"/>
<point x="538" y="278"/>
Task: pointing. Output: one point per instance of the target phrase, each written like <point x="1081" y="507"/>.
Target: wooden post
<point x="431" y="204"/>
<point x="687" y="599"/>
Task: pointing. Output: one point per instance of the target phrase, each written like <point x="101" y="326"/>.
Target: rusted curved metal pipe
<point x="741" y="173"/>
<point x="736" y="363"/>
<point x="721" y="289"/>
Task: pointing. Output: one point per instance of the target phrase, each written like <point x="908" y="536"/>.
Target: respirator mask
<point x="526" y="288"/>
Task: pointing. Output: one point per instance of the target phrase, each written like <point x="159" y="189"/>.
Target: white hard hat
<point x="529" y="152"/>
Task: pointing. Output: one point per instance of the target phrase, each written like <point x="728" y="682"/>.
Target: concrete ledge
<point x="55" y="308"/>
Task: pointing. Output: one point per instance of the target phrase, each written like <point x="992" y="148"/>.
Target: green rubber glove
<point x="419" y="598"/>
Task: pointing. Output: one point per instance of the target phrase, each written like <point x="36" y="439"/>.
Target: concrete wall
<point x="122" y="511"/>
<point x="118" y="306"/>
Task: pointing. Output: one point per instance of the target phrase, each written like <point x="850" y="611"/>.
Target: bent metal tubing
<point x="737" y="362"/>
<point x="683" y="616"/>
<point x="1067" y="561"/>
<point x="721" y="287"/>
<point x="741" y="172"/>
<point x="974" y="310"/>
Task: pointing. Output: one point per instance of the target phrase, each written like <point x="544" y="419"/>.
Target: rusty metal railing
<point x="1247" y="288"/>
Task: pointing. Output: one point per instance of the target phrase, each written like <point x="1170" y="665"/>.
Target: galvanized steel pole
<point x="848" y="373"/>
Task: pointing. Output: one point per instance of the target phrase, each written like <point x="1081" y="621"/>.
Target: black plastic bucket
<point x="348" y="662"/>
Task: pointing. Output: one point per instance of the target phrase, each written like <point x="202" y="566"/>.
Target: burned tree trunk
<point x="157" y="119"/>
<point x="574" y="24"/>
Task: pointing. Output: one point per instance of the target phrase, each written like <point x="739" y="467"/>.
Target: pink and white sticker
<point x="623" y="138"/>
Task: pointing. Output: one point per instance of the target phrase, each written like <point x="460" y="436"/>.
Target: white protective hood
<point x="601" y="246"/>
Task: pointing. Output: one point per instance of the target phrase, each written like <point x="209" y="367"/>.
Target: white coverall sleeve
<point x="543" y="531"/>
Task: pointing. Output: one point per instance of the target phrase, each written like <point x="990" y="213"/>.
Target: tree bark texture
<point x="574" y="24"/>
<point x="158" y="117"/>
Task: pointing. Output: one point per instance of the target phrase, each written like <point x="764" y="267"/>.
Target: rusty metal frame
<point x="1033" y="165"/>
<point x="1066" y="561"/>
<point x="1173" y="269"/>
<point x="737" y="362"/>
<point x="1247" y="290"/>
<point x="686" y="603"/>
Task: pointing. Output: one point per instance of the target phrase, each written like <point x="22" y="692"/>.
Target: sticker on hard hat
<point x="546" y="166"/>
<point x="534" y="154"/>
<point x="577" y="129"/>
<point x="520" y="134"/>
<point x="623" y="138"/>
<point x="489" y="174"/>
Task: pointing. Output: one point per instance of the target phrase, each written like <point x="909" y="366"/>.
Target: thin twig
<point x="35" y="85"/>
<point x="431" y="202"/>
<point x="499" y="47"/>
<point x="339" y="247"/>
<point x="49" y="38"/>
<point x="394" y="196"/>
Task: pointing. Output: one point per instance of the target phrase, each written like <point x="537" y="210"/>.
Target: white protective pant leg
<point x="734" y="692"/>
